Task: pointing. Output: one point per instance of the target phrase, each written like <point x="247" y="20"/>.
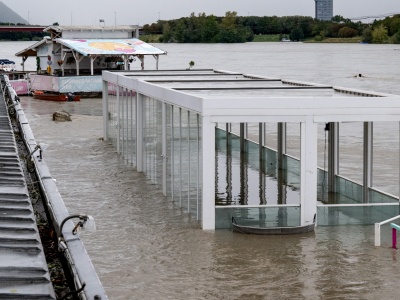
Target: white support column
<point x="118" y="119"/>
<point x="208" y="146"/>
<point x="368" y="160"/>
<point x="91" y="65"/>
<point x="308" y="171"/>
<point x="106" y="119"/>
<point x="64" y="55"/>
<point x="126" y="62"/>
<point x="333" y="156"/>
<point x="139" y="131"/>
<point x="157" y="59"/>
<point x="164" y="146"/>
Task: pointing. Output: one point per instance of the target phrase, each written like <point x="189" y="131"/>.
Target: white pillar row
<point x="308" y="171"/>
<point x="208" y="147"/>
<point x="368" y="160"/>
<point x="106" y="117"/>
<point x="92" y="58"/>
<point x="139" y="131"/>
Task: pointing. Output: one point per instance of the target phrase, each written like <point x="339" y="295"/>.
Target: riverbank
<point x="266" y="38"/>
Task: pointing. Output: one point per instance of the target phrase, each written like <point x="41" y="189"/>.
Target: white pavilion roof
<point x="131" y="46"/>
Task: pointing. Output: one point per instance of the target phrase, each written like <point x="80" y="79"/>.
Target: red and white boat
<point x="55" y="97"/>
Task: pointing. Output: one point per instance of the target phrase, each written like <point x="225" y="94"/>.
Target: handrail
<point x="378" y="229"/>
<point x="359" y="204"/>
<point x="395" y="228"/>
<point x="257" y="206"/>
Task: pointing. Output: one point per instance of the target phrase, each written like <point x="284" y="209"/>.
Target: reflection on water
<point x="243" y="179"/>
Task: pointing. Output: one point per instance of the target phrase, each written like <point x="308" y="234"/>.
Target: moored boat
<point x="7" y="65"/>
<point x="55" y="97"/>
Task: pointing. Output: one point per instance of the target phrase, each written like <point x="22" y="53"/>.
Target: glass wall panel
<point x="355" y="215"/>
<point x="351" y="150"/>
<point x="258" y="217"/>
<point x="385" y="156"/>
<point x="240" y="180"/>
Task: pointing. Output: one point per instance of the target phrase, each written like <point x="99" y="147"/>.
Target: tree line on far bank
<point x="238" y="29"/>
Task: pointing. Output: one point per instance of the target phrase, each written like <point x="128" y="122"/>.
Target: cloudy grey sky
<point x="130" y="12"/>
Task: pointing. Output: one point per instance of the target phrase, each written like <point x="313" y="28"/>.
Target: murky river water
<point x="147" y="248"/>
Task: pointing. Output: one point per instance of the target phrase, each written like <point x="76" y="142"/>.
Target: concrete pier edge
<point x="80" y="263"/>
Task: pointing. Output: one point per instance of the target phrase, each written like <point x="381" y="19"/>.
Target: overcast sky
<point x="130" y="12"/>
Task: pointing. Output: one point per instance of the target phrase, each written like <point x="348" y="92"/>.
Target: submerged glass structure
<point x="222" y="144"/>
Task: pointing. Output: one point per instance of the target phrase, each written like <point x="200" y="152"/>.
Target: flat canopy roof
<point x="232" y="97"/>
<point x="110" y="47"/>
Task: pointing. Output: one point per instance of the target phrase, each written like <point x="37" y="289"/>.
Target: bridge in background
<point x="375" y="17"/>
<point x="13" y="28"/>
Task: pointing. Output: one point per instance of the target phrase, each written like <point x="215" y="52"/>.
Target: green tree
<point x="366" y="36"/>
<point x="229" y="21"/>
<point x="380" y="34"/>
<point x="296" y="34"/>
<point x="396" y="37"/>
<point x="347" y="32"/>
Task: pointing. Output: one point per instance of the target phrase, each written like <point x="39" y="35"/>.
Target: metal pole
<point x="118" y="119"/>
<point x="198" y="166"/>
<point x="172" y="154"/>
<point x="188" y="141"/>
<point x="368" y="160"/>
<point x="333" y="155"/>
<point x="106" y="117"/>
<point x="164" y="146"/>
<point x="139" y="131"/>
<point x="281" y="145"/>
<point x="132" y="129"/>
<point x="180" y="157"/>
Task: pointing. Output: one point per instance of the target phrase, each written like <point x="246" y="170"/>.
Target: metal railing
<point x="378" y="229"/>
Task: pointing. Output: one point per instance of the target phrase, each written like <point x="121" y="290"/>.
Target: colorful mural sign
<point x="110" y="46"/>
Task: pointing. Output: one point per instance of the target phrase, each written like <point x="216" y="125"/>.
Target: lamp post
<point x="85" y="222"/>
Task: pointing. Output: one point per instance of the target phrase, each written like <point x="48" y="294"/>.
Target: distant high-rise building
<point x="324" y="9"/>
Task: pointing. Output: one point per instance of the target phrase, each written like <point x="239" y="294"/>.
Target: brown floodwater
<point x="145" y="247"/>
